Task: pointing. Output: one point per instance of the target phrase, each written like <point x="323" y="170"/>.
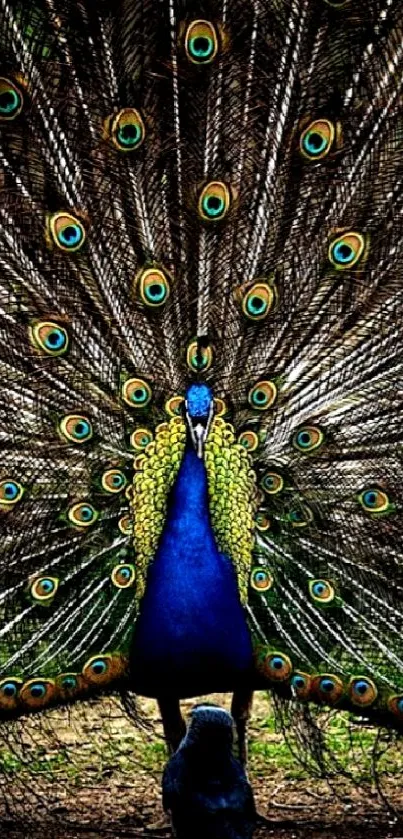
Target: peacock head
<point x="199" y="407"/>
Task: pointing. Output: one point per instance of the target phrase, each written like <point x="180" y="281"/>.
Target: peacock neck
<point x="191" y="628"/>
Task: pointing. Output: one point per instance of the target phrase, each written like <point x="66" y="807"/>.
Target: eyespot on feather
<point x="49" y="337"/>
<point x="11" y="100"/>
<point x="9" y="693"/>
<point x="125" y="130"/>
<point x="136" y="393"/>
<point x="214" y="202"/>
<point x="262" y="395"/>
<point x="38" y="693"/>
<point x="66" y="232"/>
<point x="11" y="492"/>
<point x="201" y="42"/>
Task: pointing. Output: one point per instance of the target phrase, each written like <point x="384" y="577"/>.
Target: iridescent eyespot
<point x="76" y="428"/>
<point x="68" y="682"/>
<point x="199" y="358"/>
<point x="300" y="516"/>
<point x="346" y="250"/>
<point x="44" y="589"/>
<point x="113" y="480"/>
<point x="374" y="500"/>
<point x="36" y="693"/>
<point x="214" y="201"/>
<point x="272" y="483"/>
<point x="220" y="407"/>
<point x="9" y="693"/>
<point x="258" y="301"/>
<point x="262" y="395"/>
<point x="321" y="591"/>
<point x="308" y="438"/>
<point x="262" y="522"/>
<point x="10" y="492"/>
<point x="49" y="337"/>
<point x="261" y="579"/>
<point x="136" y="393"/>
<point x="102" y="669"/>
<point x="328" y="688"/>
<point x="301" y="685"/>
<point x="174" y="406"/>
<point x="201" y="42"/>
<point x="67" y="232"/>
<point x="249" y="440"/>
<point x="82" y="514"/>
<point x="153" y="287"/>
<point x="277" y="667"/>
<point x="362" y="691"/>
<point x="140" y="438"/>
<point x="125" y="525"/>
<point x="317" y="139"/>
<point x="123" y="576"/>
<point x="11" y="100"/>
<point x="126" y="129"/>
<point x="395" y="705"/>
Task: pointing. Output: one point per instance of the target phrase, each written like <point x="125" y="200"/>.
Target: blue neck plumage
<point x="191" y="626"/>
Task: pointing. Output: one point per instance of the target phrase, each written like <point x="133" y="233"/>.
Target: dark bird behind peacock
<point x="200" y="359"/>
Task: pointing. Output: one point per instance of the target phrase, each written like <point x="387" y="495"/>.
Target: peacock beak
<point x="199" y="428"/>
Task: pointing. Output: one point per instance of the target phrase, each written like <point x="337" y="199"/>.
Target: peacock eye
<point x="173" y="406"/>
<point x="125" y="525"/>
<point x="249" y="440"/>
<point x="82" y="514"/>
<point x="272" y="483"/>
<point x="301" y="685"/>
<point x="308" y="438"/>
<point x="113" y="480"/>
<point x="37" y="692"/>
<point x="76" y="428"/>
<point x="126" y="129"/>
<point x="201" y="42"/>
<point x="123" y="576"/>
<point x="66" y="231"/>
<point x="321" y="591"/>
<point x="199" y="358"/>
<point x="258" y="301"/>
<point x="362" y="691"/>
<point x="220" y="407"/>
<point x="261" y="579"/>
<point x="49" y="337"/>
<point x="374" y="500"/>
<point x="262" y="522"/>
<point x="346" y="250"/>
<point x="300" y="516"/>
<point x="98" y="669"/>
<point x="262" y="395"/>
<point x="140" y="438"/>
<point x="44" y="589"/>
<point x="395" y="705"/>
<point x="136" y="393"/>
<point x="214" y="201"/>
<point x="278" y="667"/>
<point x="10" y="492"/>
<point x="317" y="139"/>
<point x="153" y="287"/>
<point x="69" y="682"/>
<point x="328" y="688"/>
<point x="11" y="100"/>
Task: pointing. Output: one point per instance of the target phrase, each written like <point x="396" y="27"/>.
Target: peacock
<point x="200" y="356"/>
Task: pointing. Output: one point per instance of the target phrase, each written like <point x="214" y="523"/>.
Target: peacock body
<point x="200" y="251"/>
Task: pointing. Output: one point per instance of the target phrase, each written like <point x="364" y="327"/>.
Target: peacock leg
<point x="172" y="721"/>
<point x="241" y="708"/>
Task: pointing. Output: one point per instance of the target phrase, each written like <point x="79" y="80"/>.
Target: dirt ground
<point x="93" y="773"/>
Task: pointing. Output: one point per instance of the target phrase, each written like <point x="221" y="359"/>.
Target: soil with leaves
<point x="94" y="772"/>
